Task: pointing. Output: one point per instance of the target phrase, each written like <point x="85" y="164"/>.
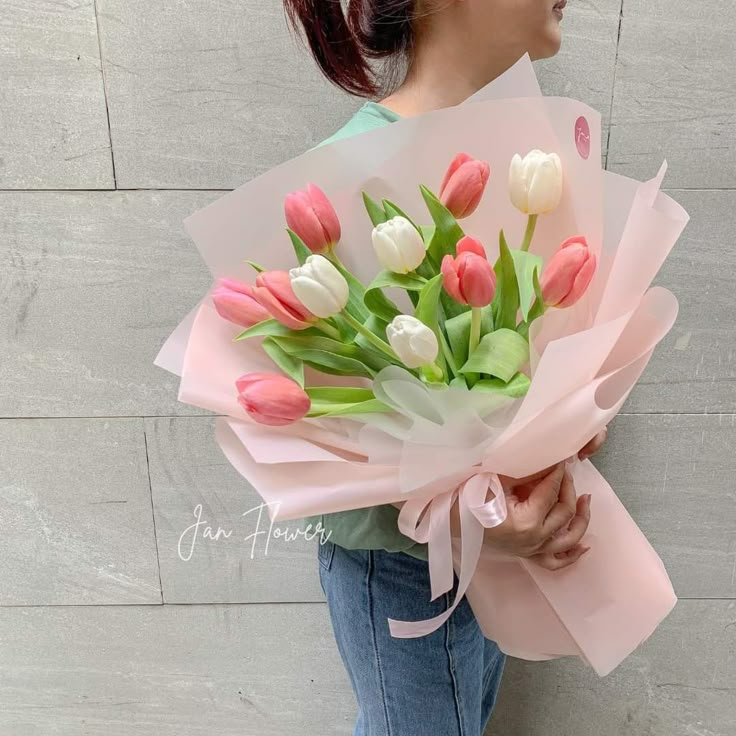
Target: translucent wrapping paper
<point x="438" y="449"/>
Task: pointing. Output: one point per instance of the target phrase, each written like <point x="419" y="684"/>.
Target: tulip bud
<point x="234" y="301"/>
<point x="399" y="246"/>
<point x="273" y="292"/>
<point x="414" y="343"/>
<point x="535" y="182"/>
<point x="272" y="399"/>
<point x="469" y="278"/>
<point x="568" y="273"/>
<point x="464" y="184"/>
<point x="320" y="287"/>
<point x="313" y="218"/>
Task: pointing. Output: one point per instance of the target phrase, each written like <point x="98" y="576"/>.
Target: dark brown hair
<point x="344" y="43"/>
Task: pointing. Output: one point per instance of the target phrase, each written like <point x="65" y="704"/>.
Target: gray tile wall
<point x="120" y="117"/>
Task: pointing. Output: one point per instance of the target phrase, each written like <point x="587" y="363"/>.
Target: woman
<point x="434" y="53"/>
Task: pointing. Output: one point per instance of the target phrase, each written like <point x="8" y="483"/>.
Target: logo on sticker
<point x="582" y="136"/>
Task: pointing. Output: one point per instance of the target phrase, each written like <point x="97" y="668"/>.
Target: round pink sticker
<point x="582" y="136"/>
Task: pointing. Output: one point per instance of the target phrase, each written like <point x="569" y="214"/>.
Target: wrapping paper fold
<point x="584" y="361"/>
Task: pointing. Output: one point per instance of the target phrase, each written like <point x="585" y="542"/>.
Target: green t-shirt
<point x="375" y="527"/>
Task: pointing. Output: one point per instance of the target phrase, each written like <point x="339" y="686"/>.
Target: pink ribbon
<point x="434" y="528"/>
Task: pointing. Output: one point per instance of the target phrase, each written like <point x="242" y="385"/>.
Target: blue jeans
<point x="444" y="684"/>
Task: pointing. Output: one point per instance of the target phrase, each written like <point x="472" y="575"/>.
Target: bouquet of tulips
<point x="414" y="359"/>
<point x="463" y="328"/>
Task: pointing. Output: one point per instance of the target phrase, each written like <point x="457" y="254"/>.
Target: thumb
<point x="545" y="493"/>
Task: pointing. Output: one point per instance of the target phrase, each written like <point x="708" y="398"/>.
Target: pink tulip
<point x="469" y="278"/>
<point x="568" y="273"/>
<point x="313" y="218"/>
<point x="272" y="399"/>
<point x="463" y="185"/>
<point x="235" y="302"/>
<point x="273" y="291"/>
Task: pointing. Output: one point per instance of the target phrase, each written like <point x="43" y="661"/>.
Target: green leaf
<point x="447" y="231"/>
<point x="339" y="394"/>
<point x="427" y="308"/>
<point x="516" y="387"/>
<point x="293" y="367"/>
<point x="334" y="364"/>
<point x="258" y="268"/>
<point x="393" y="210"/>
<point x="377" y="326"/>
<point x="372" y="406"/>
<point x="264" y="329"/>
<point x="427" y="232"/>
<point x="458" y="332"/>
<point x="305" y="347"/>
<point x="355" y="304"/>
<point x="378" y="303"/>
<point x="526" y="266"/>
<point x="428" y="311"/>
<point x="536" y="311"/>
<point x="506" y="301"/>
<point x="339" y="401"/>
<point x="500" y="353"/>
<point x="300" y="249"/>
<point x="374" y="210"/>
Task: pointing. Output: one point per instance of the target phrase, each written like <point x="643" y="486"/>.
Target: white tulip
<point x="320" y="287"/>
<point x="414" y="343"/>
<point x="399" y="246"/>
<point x="535" y="182"/>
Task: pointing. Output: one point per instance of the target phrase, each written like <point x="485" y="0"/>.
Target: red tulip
<point x="469" y="278"/>
<point x="272" y="399"/>
<point x="273" y="291"/>
<point x="235" y="302"/>
<point x="313" y="218"/>
<point x="568" y="273"/>
<point x="463" y="185"/>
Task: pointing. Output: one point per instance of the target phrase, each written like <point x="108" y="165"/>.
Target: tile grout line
<point x="613" y="84"/>
<point x="153" y="511"/>
<point x="727" y="413"/>
<point x="104" y="93"/>
<point x="242" y="603"/>
<point x="103" y="190"/>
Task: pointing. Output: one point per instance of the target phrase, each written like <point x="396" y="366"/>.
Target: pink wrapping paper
<point x="584" y="361"/>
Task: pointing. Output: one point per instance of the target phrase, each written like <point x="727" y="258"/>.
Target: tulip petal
<point x="581" y="283"/>
<point x="325" y="213"/>
<point x="477" y="280"/>
<point x="455" y="164"/>
<point x="451" y="279"/>
<point x="468" y="244"/>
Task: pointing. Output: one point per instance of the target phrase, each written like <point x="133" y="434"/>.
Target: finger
<point x="568" y="538"/>
<point x="563" y="511"/>
<point x="513" y="482"/>
<point x="545" y="493"/>
<point x="561" y="559"/>
<point x="593" y="445"/>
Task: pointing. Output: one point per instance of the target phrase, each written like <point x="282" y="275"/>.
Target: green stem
<point x="530" y="225"/>
<point x="447" y="352"/>
<point x="330" y="255"/>
<point x="433" y="373"/>
<point x="328" y="329"/>
<point x="376" y="341"/>
<point x="475" y="322"/>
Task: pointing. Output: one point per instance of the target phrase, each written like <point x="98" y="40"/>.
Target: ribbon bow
<point x="434" y="528"/>
<point x="460" y="427"/>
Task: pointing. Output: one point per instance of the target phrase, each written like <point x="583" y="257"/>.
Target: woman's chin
<point x="549" y="44"/>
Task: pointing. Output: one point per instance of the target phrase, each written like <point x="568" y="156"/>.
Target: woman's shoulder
<point x="368" y="116"/>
